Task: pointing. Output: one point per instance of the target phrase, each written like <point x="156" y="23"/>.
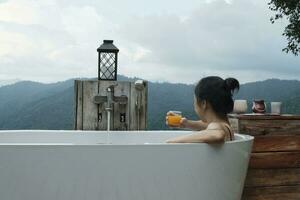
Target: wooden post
<point x="91" y="115"/>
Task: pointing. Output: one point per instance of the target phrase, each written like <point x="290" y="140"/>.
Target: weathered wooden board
<point x="272" y="193"/>
<point x="272" y="177"/>
<point x="91" y="115"/>
<point x="144" y="98"/>
<point x="121" y="89"/>
<point x="234" y="124"/>
<point x="276" y="143"/>
<point x="138" y="116"/>
<point x="267" y="127"/>
<point x="274" y="160"/>
<point x="274" y="168"/>
<point x="90" y="110"/>
<point x="265" y="124"/>
<point x="133" y="125"/>
<point x="251" y="116"/>
<point x="78" y="105"/>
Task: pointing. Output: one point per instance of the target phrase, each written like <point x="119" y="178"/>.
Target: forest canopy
<point x="289" y="9"/>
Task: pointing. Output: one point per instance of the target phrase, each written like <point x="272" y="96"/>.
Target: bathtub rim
<point x="244" y="138"/>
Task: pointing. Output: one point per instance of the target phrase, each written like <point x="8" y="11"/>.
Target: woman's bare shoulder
<point x="214" y="126"/>
<point x="223" y="127"/>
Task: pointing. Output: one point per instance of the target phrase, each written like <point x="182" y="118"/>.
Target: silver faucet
<point x="110" y="99"/>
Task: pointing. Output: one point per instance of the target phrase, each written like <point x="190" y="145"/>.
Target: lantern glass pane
<point x="107" y="66"/>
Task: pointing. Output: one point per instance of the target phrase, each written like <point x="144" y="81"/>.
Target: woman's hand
<point x="183" y="121"/>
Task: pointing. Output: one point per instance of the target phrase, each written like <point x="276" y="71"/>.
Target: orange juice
<point x="174" y="120"/>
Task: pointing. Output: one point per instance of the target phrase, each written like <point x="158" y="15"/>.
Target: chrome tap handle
<point x="111" y="87"/>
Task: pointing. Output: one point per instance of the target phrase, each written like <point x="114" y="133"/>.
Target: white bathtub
<point x="74" y="165"/>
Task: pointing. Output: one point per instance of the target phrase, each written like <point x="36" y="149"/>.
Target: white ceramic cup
<point x="276" y="107"/>
<point x="240" y="106"/>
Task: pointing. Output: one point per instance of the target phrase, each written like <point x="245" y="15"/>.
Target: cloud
<point x="20" y="12"/>
<point x="218" y="37"/>
<point x="48" y="48"/>
<point x="54" y="40"/>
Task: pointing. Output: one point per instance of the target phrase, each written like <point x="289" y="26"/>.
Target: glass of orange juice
<point x="174" y="120"/>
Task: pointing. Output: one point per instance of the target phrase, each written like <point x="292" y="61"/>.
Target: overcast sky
<point x="176" y="41"/>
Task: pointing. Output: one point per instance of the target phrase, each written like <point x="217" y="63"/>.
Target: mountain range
<point x="33" y="105"/>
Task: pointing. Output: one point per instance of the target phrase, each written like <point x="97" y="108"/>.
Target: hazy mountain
<point x="32" y="105"/>
<point x="8" y="82"/>
<point x="270" y="90"/>
<point x="17" y="98"/>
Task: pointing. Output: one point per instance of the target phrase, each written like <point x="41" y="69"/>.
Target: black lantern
<point x="107" y="61"/>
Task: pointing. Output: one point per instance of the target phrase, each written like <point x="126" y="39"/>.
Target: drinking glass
<point x="175" y="118"/>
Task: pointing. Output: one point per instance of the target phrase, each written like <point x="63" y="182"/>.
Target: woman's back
<point x="224" y="127"/>
<point x="229" y="132"/>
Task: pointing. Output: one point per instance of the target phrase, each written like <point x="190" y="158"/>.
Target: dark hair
<point x="218" y="92"/>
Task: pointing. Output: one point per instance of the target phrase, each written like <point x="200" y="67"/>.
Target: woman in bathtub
<point x="212" y="102"/>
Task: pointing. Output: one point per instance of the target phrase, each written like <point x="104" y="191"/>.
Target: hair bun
<point x="232" y="84"/>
